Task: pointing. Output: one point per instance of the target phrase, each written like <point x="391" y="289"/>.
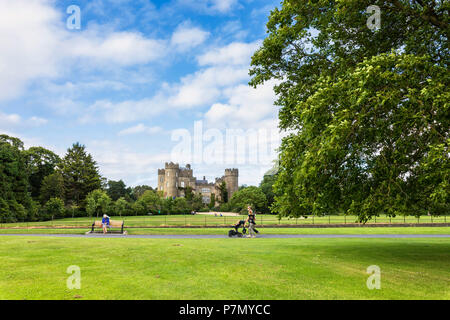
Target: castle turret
<point x="161" y="179"/>
<point x="231" y="180"/>
<point x="171" y="180"/>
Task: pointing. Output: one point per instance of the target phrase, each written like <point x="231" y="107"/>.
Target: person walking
<point x="251" y="220"/>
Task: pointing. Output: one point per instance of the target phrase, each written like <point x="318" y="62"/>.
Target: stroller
<point x="236" y="233"/>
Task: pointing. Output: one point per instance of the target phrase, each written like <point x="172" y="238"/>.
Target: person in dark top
<point x="251" y="220"/>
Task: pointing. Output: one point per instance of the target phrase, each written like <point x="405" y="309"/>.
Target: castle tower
<point x="231" y="179"/>
<point x="161" y="179"/>
<point x="171" y="180"/>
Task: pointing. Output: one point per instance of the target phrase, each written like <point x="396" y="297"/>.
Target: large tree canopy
<point x="40" y="163"/>
<point x="80" y="173"/>
<point x="367" y="109"/>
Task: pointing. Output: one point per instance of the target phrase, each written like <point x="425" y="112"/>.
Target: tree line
<point x="37" y="185"/>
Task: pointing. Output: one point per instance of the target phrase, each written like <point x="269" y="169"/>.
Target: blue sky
<point x="137" y="75"/>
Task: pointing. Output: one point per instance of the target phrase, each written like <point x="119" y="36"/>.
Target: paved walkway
<point x="268" y="236"/>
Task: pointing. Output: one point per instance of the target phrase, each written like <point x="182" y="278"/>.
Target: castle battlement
<point x="173" y="179"/>
<point x="172" y="165"/>
<point x="232" y="172"/>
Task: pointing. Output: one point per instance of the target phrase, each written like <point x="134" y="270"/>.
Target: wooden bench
<point x="112" y="224"/>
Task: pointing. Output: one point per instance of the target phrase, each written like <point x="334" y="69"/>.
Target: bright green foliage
<point x="181" y="206"/>
<point x="139" y="208"/>
<point x="252" y="196"/>
<point x="367" y="111"/>
<point x="52" y="187"/>
<point x="188" y="193"/>
<point x="223" y="192"/>
<point x="97" y="203"/>
<point x="40" y="163"/>
<point x="54" y="208"/>
<point x="14" y="185"/>
<point x="152" y="201"/>
<point x="80" y="173"/>
<point x="266" y="186"/>
<point x="197" y="202"/>
<point x="138" y="191"/>
<point x="120" y="206"/>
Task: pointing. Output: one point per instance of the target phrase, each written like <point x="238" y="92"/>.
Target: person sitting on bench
<point x="105" y="223"/>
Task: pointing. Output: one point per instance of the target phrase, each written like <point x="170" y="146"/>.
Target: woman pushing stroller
<point x="251" y="221"/>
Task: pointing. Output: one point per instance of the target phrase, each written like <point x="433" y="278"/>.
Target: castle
<point x="173" y="181"/>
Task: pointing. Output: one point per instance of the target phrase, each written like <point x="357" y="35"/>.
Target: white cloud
<point x="210" y="6"/>
<point x="140" y="128"/>
<point x="117" y="161"/>
<point x="245" y="106"/>
<point x="236" y="53"/>
<point x="28" y="44"/>
<point x="35" y="44"/>
<point x="187" y="37"/>
<point x="124" y="111"/>
<point x="222" y="76"/>
<point x="116" y="48"/>
<point x="14" y="120"/>
<point x="7" y="120"/>
<point x="223" y="5"/>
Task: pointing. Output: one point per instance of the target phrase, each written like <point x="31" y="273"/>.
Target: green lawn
<point x="224" y="231"/>
<point x="35" y="268"/>
<point x="206" y="220"/>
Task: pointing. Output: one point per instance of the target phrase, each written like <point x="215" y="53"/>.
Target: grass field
<point x="35" y="268"/>
<point x="222" y="231"/>
<point x="207" y="220"/>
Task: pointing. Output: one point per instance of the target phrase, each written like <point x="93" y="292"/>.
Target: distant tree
<point x="138" y="191"/>
<point x="223" y="192"/>
<point x="212" y="202"/>
<point x="40" y="163"/>
<point x="117" y="189"/>
<point x="80" y="173"/>
<point x="197" y="202"/>
<point x="139" y="208"/>
<point x="14" y="187"/>
<point x="54" y="208"/>
<point x="5" y="213"/>
<point x="152" y="201"/>
<point x="120" y="206"/>
<point x="248" y="196"/>
<point x="52" y="187"/>
<point x="188" y="193"/>
<point x="97" y="203"/>
<point x="181" y="206"/>
<point x="266" y="186"/>
<point x="15" y="142"/>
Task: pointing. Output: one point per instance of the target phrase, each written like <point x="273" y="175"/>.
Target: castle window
<point x="182" y="184"/>
<point x="205" y="190"/>
<point x="206" y="200"/>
